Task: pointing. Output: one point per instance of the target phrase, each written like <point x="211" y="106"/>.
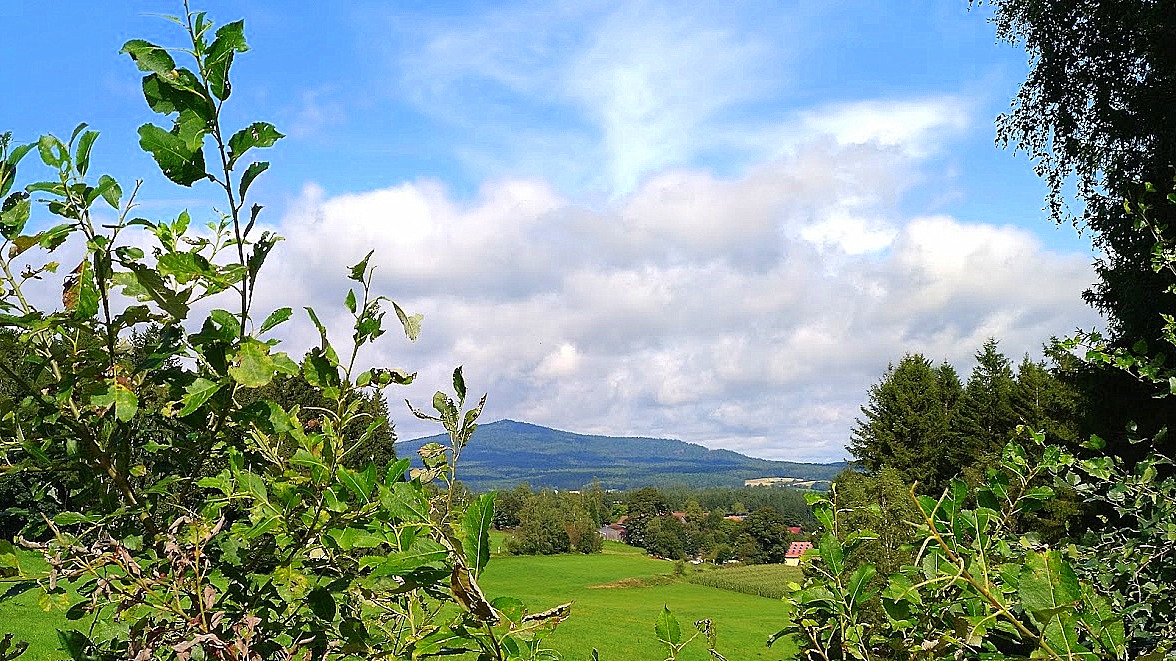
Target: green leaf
<point x="422" y="552"/>
<point x="322" y="603"/>
<point x="230" y="39"/>
<point x="349" y="301"/>
<point x="147" y="285"/>
<point x="8" y="167"/>
<point x="76" y="644"/>
<point x="14" y="214"/>
<point x="261" y="249"/>
<point x="443" y="405"/>
<point x="320" y="372"/>
<point x="358" y="271"/>
<point x="509" y="607"/>
<point x="832" y="554"/>
<point x="666" y="628"/>
<point x="183" y="266"/>
<point x="9" y="560"/>
<point x="196" y="394"/>
<point x="261" y="527"/>
<point x="82" y="157"/>
<point x="405" y="500"/>
<point x="52" y="151"/>
<point x="227" y="322"/>
<point x="412" y="324"/>
<point x="252" y="365"/>
<point x="1047" y="583"/>
<point x="124" y="401"/>
<point x="110" y="191"/>
<point x="356" y="483"/>
<point x="276" y="317"/>
<point x="70" y="518"/>
<point x="858" y="583"/>
<point x="459" y="385"/>
<point x="80" y="293"/>
<point x="251" y="173"/>
<point x="176" y="157"/>
<point x="476" y="524"/>
<point x="257" y="134"/>
<point x="254" y="484"/>
<point x="149" y="57"/>
<point x="1062" y="636"/>
<point x="52" y="238"/>
<point x="1102" y="621"/>
<point x="35" y="450"/>
<point x="178" y="93"/>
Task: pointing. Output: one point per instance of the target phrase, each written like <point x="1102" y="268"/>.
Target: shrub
<point x="202" y="519"/>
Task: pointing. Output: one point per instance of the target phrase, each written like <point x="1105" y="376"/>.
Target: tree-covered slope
<point x="505" y="453"/>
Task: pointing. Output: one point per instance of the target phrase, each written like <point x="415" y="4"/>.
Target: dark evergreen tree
<point x="1044" y="402"/>
<point x="907" y="421"/>
<point x="985" y="416"/>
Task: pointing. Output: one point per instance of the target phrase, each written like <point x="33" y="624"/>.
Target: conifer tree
<point x="1043" y="402"/>
<point x="985" y="416"/>
<point x="907" y="421"/>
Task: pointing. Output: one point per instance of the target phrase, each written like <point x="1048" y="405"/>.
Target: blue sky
<point x="716" y="222"/>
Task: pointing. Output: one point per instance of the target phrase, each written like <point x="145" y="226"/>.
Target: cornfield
<point x="761" y="580"/>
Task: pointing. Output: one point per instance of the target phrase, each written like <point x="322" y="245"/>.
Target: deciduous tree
<point x="1096" y="110"/>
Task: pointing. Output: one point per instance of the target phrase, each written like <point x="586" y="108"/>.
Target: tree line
<point x="713" y="524"/>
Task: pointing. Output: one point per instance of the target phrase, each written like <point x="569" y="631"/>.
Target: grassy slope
<point x="618" y="621"/>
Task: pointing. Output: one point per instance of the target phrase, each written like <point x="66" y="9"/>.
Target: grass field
<point x="617" y="596"/>
<point x="24" y="617"/>
<point x="760" y="580"/>
<point x="614" y="609"/>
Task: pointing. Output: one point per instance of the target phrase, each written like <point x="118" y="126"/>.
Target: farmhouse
<point x="795" y="550"/>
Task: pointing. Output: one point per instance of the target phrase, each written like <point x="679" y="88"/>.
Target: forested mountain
<point x="505" y="453"/>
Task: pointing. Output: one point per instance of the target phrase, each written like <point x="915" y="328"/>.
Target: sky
<point x="717" y="222"/>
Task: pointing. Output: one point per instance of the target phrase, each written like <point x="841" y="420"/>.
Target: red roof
<point x="795" y="530"/>
<point x="796" y="549"/>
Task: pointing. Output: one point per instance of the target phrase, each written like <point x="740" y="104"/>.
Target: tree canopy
<point x="1096" y="111"/>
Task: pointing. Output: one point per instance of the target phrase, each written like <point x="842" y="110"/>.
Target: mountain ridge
<point x="507" y="452"/>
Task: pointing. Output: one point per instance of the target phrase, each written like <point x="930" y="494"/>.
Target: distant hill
<point x="505" y="453"/>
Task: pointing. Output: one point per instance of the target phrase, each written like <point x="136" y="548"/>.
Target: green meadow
<point x="617" y="595"/>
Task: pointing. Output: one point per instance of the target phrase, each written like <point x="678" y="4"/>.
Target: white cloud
<point x="915" y="126"/>
<point x="602" y="97"/>
<point x="751" y="312"/>
<point x="599" y="96"/>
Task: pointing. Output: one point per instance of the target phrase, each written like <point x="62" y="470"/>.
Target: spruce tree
<point x="985" y="417"/>
<point x="1043" y="402"/>
<point x="906" y="422"/>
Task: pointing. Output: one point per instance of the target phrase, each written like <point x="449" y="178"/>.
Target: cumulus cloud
<point x="670" y="240"/>
<point x="749" y="312"/>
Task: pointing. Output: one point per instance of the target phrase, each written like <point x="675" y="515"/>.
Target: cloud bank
<point x="747" y="312"/>
<point x="669" y="237"/>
